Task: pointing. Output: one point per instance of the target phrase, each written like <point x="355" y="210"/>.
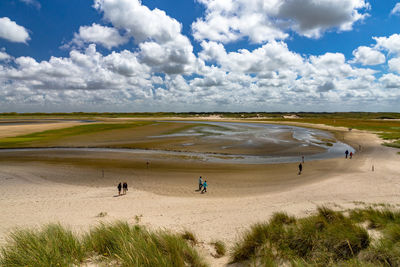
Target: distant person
<point x="147" y="164"/>
<point x="302" y="159"/>
<point x="300" y="168"/>
<point x="204" y="187"/>
<point x="119" y="189"/>
<point x="351" y="155"/>
<point x="346" y="153"/>
<point x="124" y="188"/>
<point x="200" y="183"/>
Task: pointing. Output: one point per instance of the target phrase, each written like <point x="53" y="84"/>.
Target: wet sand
<point x="37" y="188"/>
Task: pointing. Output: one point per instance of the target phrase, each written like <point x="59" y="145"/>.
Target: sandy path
<point x="28" y="200"/>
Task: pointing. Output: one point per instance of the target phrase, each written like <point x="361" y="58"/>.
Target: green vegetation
<point x="135" y="246"/>
<point x="189" y="236"/>
<point x="220" y="248"/>
<point x="42" y="138"/>
<point x="53" y="245"/>
<point x="329" y="238"/>
<point x="117" y="244"/>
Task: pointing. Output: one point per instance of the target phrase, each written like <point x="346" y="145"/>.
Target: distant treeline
<point x="330" y="115"/>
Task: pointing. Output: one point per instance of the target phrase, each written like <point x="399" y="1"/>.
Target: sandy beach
<point x="69" y="187"/>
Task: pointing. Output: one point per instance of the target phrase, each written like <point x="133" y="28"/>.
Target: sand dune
<point x="73" y="192"/>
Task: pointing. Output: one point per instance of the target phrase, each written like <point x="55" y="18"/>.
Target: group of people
<point x="124" y="187"/>
<point x="348" y="155"/>
<point x="202" y="186"/>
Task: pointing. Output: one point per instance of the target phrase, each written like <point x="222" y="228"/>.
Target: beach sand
<point x="38" y="188"/>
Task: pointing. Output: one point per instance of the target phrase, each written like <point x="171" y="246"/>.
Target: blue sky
<point x="199" y="55"/>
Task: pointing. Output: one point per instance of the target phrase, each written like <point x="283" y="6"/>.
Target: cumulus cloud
<point x="261" y="21"/>
<point x="391" y="43"/>
<point x="106" y="36"/>
<point x="162" y="45"/>
<point x="4" y="56"/>
<point x="13" y="32"/>
<point x="272" y="56"/>
<point x="396" y="10"/>
<point x="394" y="64"/>
<point x="139" y="21"/>
<point x="368" y="56"/>
<point x="161" y="72"/>
<point x="312" y="18"/>
<point x="390" y="81"/>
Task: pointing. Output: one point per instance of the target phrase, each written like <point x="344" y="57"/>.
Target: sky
<point x="199" y="55"/>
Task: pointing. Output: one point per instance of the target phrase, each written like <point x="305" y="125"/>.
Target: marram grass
<point x="328" y="238"/>
<point x="53" y="245"/>
<point x="117" y="244"/>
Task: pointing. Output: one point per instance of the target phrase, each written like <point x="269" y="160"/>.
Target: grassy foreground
<point x="368" y="236"/>
<point x="329" y="238"/>
<point x="118" y="244"/>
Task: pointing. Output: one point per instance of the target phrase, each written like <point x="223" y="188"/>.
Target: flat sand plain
<point x="38" y="188"/>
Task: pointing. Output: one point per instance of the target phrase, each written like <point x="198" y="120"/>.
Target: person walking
<point x="302" y="159"/>
<point x="204" y="187"/>
<point x="300" y="168"/>
<point x="124" y="188"/>
<point x="351" y="155"/>
<point x="347" y="153"/>
<point x="119" y="189"/>
<point x="200" y="183"/>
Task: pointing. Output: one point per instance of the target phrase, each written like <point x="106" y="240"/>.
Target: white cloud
<point x="368" y="56"/>
<point x="156" y="74"/>
<point x="4" y="56"/>
<point x="390" y="81"/>
<point x="139" y="21"/>
<point x="272" y="56"/>
<point x="106" y="36"/>
<point x="312" y="18"/>
<point x="396" y="10"/>
<point x="394" y="64"/>
<point x="391" y="43"/>
<point x="262" y="21"/>
<point x="161" y="43"/>
<point x="13" y="32"/>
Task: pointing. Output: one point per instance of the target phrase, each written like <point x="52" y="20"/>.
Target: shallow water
<point x="247" y="135"/>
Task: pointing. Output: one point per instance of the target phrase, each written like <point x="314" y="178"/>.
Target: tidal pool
<point x="227" y="142"/>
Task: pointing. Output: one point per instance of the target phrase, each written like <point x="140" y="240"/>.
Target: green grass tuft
<point x="117" y="244"/>
<point x="319" y="239"/>
<point x="189" y="236"/>
<point x="220" y="248"/>
<point x="53" y="245"/>
<point x="135" y="246"/>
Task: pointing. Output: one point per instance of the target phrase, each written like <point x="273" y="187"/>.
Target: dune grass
<point x="220" y="248"/>
<point x="136" y="246"/>
<point x="53" y="245"/>
<point x="189" y="236"/>
<point x="117" y="244"/>
<point x="328" y="238"/>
